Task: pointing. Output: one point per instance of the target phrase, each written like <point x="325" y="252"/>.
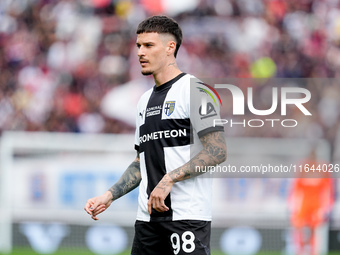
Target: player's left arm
<point x="214" y="152"/>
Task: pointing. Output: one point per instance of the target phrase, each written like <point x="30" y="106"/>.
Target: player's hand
<point x="158" y="195"/>
<point x="97" y="205"/>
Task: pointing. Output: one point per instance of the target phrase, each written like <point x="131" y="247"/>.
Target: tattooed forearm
<point x="214" y="153"/>
<point x="128" y="181"/>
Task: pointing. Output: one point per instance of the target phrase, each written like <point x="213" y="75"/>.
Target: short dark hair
<point x="162" y="25"/>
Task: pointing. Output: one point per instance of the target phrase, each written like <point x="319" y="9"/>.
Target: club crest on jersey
<point x="169" y="107"/>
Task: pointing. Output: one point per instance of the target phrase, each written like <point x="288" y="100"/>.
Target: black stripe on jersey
<point x="153" y="130"/>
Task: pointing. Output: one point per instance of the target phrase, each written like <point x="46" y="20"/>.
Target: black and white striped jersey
<point x="168" y="128"/>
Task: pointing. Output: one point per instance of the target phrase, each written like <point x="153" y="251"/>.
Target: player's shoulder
<point x="186" y="79"/>
<point x="185" y="83"/>
<point x="189" y="84"/>
<point x="192" y="80"/>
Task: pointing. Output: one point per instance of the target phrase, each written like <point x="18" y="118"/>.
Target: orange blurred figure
<point x="310" y="203"/>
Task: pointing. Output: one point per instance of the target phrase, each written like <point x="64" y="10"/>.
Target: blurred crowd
<point x="59" y="59"/>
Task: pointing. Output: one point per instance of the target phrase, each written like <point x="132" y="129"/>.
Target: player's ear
<point x="171" y="48"/>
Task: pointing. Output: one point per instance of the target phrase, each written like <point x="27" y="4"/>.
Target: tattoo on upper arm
<point x="128" y="181"/>
<point x="214" y="153"/>
<point x="214" y="143"/>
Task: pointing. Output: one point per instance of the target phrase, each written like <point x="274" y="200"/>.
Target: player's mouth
<point x="143" y="62"/>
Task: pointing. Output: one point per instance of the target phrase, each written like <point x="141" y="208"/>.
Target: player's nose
<point x="140" y="52"/>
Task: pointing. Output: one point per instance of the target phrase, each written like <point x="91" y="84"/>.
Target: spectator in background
<point x="90" y="43"/>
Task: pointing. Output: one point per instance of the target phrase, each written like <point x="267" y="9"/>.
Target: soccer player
<point x="310" y="201"/>
<point x="174" y="212"/>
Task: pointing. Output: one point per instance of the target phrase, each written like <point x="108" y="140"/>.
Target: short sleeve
<point x="204" y="108"/>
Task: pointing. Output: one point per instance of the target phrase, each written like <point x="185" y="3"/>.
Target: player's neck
<point x="168" y="73"/>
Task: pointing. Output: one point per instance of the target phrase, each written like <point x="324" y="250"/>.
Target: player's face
<point x="152" y="52"/>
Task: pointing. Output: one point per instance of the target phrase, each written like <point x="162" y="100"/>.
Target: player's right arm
<point x="127" y="182"/>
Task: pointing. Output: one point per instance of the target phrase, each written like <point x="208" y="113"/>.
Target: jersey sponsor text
<point x="163" y="134"/>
